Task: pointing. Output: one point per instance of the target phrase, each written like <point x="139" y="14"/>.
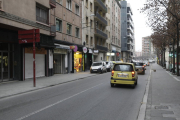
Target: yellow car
<point x="124" y="73"/>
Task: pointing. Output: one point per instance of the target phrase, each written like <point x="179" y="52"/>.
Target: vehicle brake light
<point x="133" y="73"/>
<point x="112" y="73"/>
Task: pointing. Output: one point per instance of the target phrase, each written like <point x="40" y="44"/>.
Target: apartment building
<point x="100" y="35"/>
<point x="59" y="23"/>
<point x="67" y="16"/>
<point x="148" y="49"/>
<point x="127" y="32"/>
<point x="88" y="31"/>
<point x="146" y="46"/>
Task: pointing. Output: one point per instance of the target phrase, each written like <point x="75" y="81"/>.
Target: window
<point x="68" y="4"/>
<point x="58" y="25"/>
<point x="91" y="6"/>
<point x="91" y="41"/>
<point x="87" y="40"/>
<point x="77" y="32"/>
<point x="87" y="3"/>
<point x="1" y="5"/>
<point x="69" y="29"/>
<point x="77" y="9"/>
<point x="91" y="24"/>
<point x="86" y="21"/>
<point x="121" y="67"/>
<point x="42" y="14"/>
<point x="59" y="1"/>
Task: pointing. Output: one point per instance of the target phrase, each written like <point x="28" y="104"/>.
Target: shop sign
<point x="38" y="51"/>
<point x="90" y="51"/>
<point x="60" y="51"/>
<point x="117" y="54"/>
<point x="85" y="49"/>
<point x="96" y="51"/>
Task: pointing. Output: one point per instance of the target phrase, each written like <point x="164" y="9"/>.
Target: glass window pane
<point x="57" y="25"/>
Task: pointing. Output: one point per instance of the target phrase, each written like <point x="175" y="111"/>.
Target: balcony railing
<point x="52" y="3"/>
<point x="101" y="33"/>
<point x="101" y="18"/>
<point x="101" y="4"/>
<point x="101" y="48"/>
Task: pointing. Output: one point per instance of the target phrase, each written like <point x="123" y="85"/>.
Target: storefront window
<point x="78" y="61"/>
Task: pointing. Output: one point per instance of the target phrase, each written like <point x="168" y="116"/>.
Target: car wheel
<point x="112" y="85"/>
<point x="101" y="72"/>
<point x="133" y="86"/>
<point x="136" y="82"/>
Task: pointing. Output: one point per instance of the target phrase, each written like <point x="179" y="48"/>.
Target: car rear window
<point x="123" y="67"/>
<point x="138" y="64"/>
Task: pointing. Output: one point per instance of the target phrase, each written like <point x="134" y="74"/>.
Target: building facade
<point x="67" y="16"/>
<point x="59" y="23"/>
<point x="127" y="32"/>
<point x="115" y="30"/>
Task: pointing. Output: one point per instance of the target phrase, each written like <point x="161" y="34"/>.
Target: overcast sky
<point x="140" y="27"/>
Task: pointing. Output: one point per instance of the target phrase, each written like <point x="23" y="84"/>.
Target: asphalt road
<point x="86" y="99"/>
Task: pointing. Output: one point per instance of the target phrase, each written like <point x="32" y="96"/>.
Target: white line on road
<point x="173" y="76"/>
<point x="26" y="116"/>
<point x="142" y="110"/>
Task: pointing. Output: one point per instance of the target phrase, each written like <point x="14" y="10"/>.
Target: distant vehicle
<point x="124" y="73"/>
<point x="140" y="67"/>
<point x="147" y="63"/>
<point x="109" y="65"/>
<point x="98" y="67"/>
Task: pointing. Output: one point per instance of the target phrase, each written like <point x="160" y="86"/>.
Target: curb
<point x="45" y="87"/>
<point x="142" y="110"/>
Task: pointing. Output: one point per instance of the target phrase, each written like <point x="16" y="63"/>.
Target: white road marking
<point x="173" y="77"/>
<point x="142" y="110"/>
<point x="42" y="109"/>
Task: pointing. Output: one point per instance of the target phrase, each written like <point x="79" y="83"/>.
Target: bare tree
<point x="163" y="18"/>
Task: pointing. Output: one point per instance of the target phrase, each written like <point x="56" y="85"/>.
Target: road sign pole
<point x="34" y="64"/>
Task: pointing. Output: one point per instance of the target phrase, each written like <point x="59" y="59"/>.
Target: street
<point x="90" y="98"/>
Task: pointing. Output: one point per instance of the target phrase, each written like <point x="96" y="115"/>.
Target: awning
<point x="62" y="46"/>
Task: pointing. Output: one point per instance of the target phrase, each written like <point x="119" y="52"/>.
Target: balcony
<point x="130" y="29"/>
<point x="100" y="18"/>
<point x="129" y="42"/>
<point x="101" y="48"/>
<point x="101" y="4"/>
<point x="52" y="3"/>
<point x="129" y="21"/>
<point x="100" y="33"/>
<point x="130" y="36"/>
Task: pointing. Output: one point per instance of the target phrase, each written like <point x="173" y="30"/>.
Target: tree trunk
<point x="177" y="49"/>
<point x="173" y="56"/>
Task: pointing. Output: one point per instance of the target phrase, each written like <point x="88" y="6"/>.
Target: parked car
<point x="98" y="67"/>
<point x="147" y="63"/>
<point x="124" y="73"/>
<point x="140" y="67"/>
<point x="109" y="65"/>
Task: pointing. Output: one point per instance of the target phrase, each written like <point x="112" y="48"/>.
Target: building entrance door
<point x="4" y="65"/>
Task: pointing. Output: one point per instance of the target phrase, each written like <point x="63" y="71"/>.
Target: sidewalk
<point x="17" y="87"/>
<point x="163" y="101"/>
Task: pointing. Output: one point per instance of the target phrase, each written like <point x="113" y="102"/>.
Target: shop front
<point x="40" y="60"/>
<point x="6" y="61"/>
<point x="78" y="61"/>
<point x="59" y="61"/>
